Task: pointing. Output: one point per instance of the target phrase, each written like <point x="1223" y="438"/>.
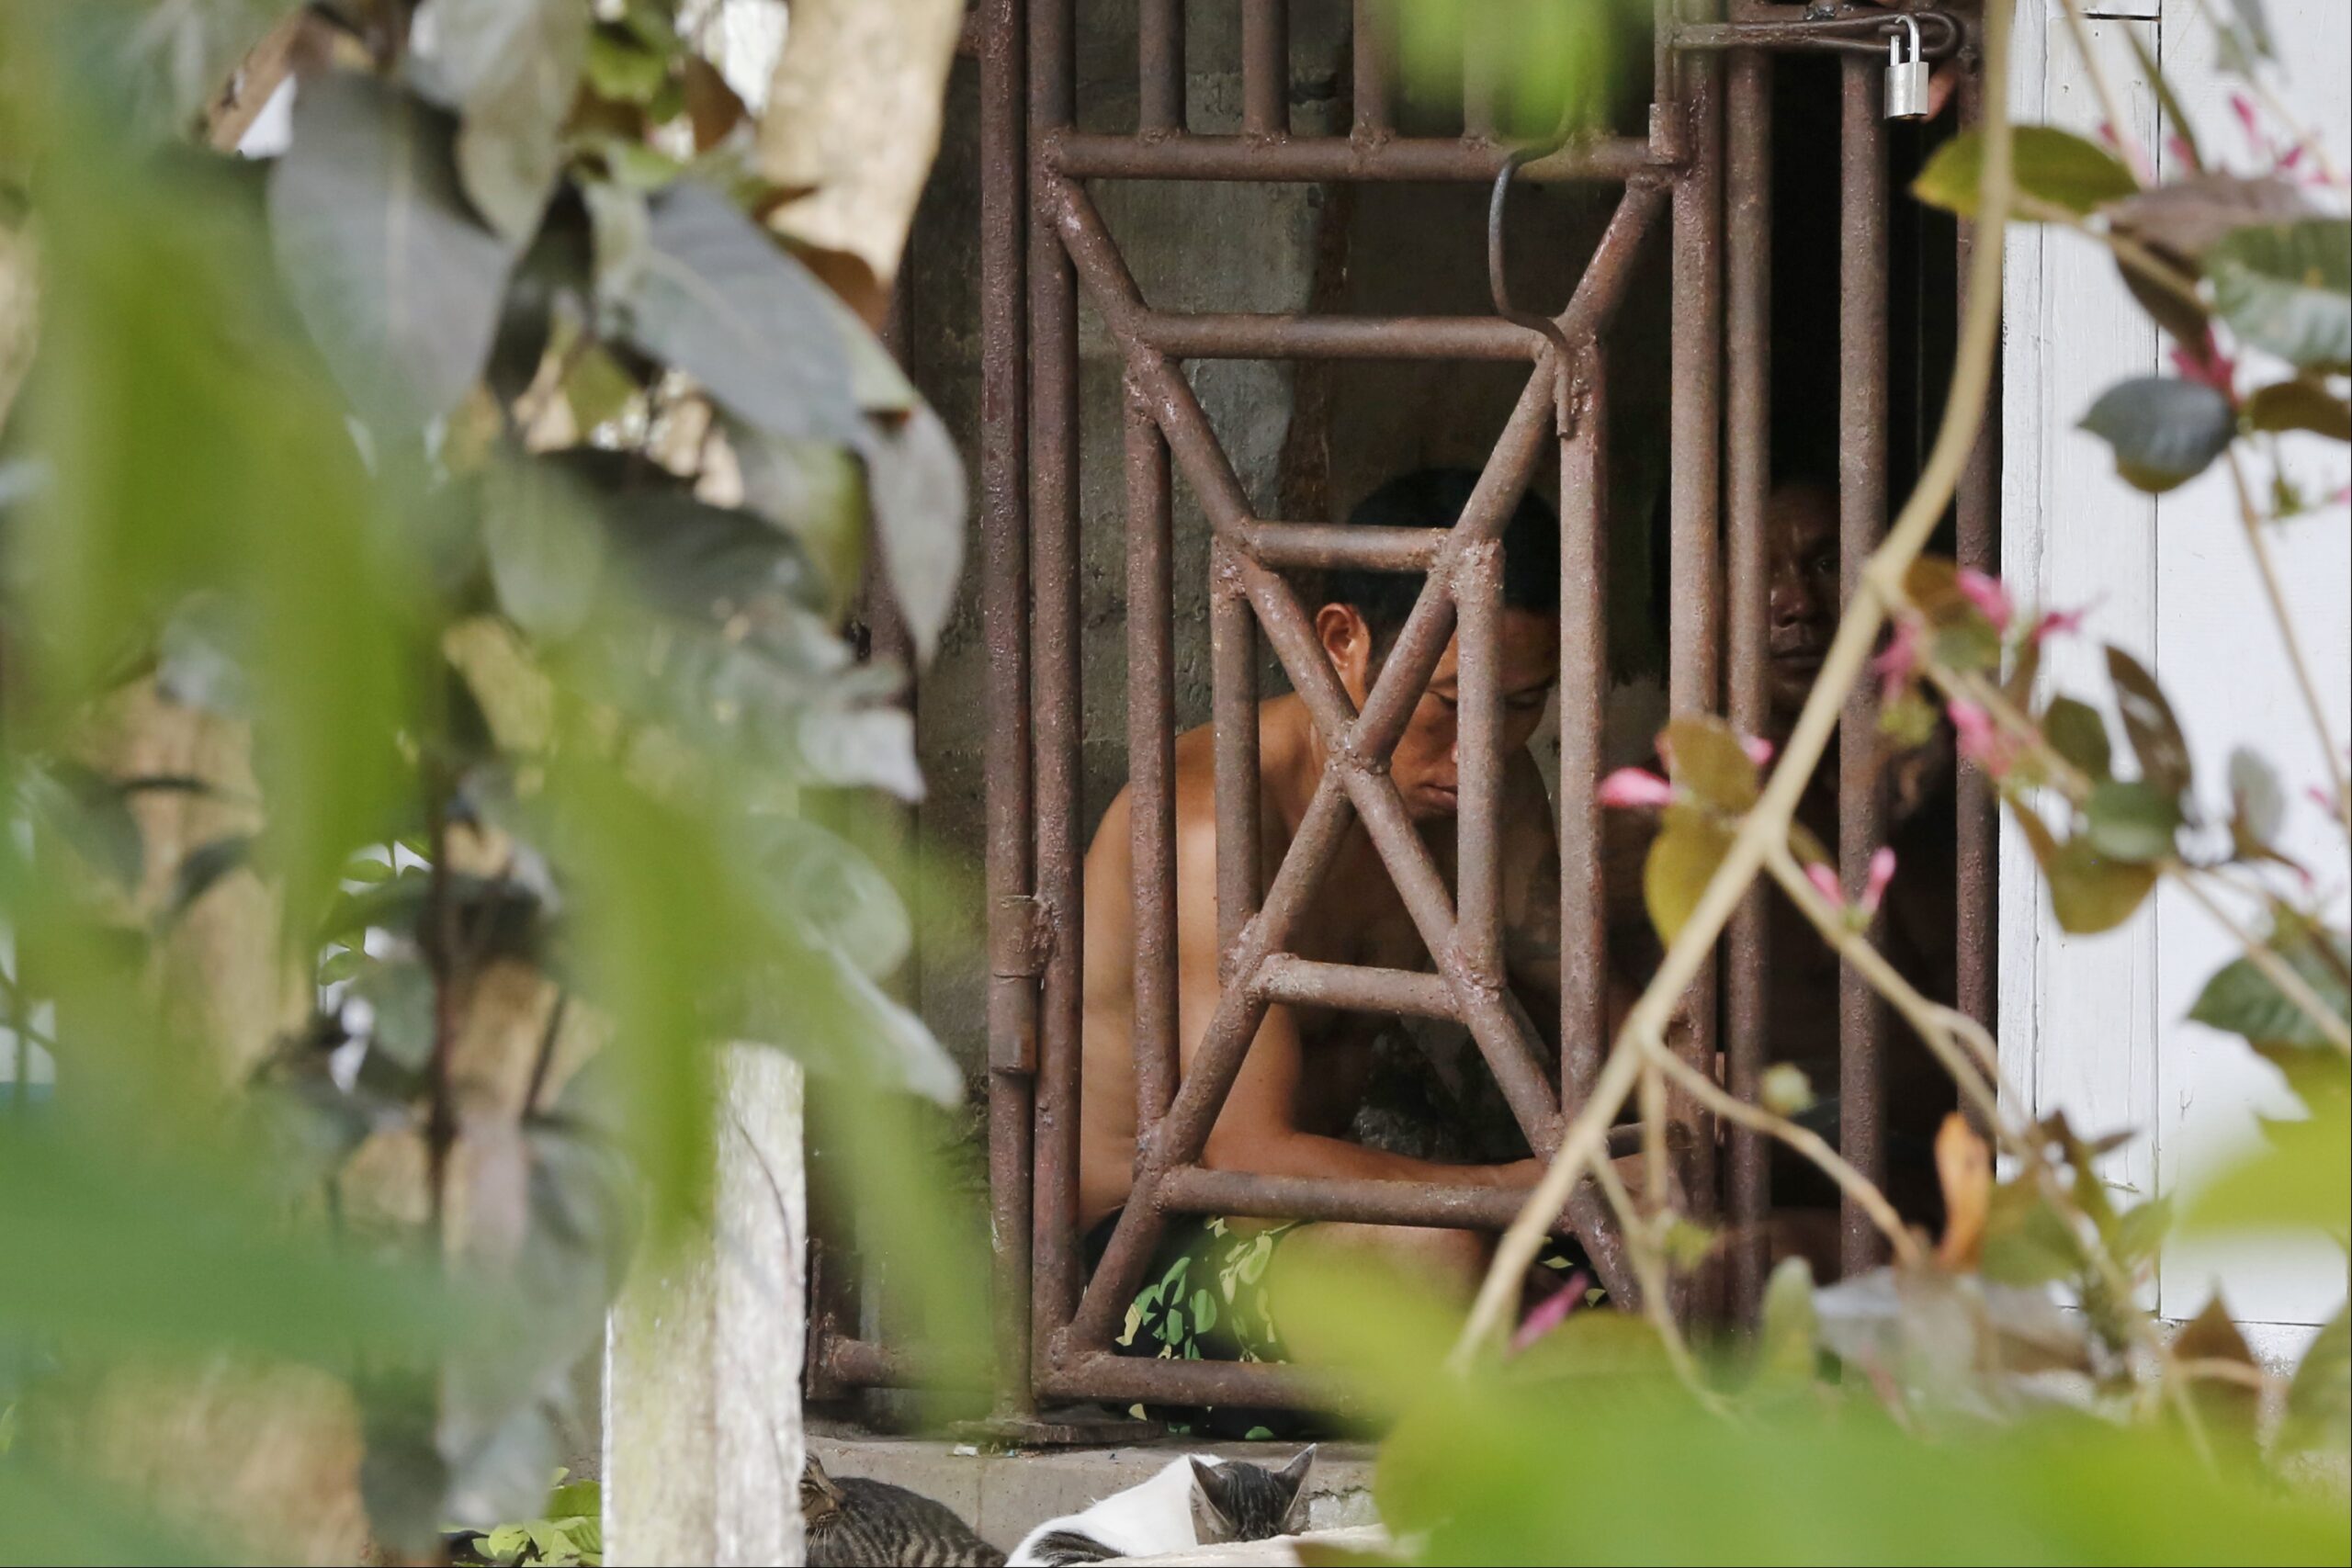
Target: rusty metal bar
<point x="1054" y="518"/>
<point x="1478" y="749"/>
<point x="1160" y="45"/>
<point x="1370" y="62"/>
<point x="1004" y="609"/>
<point x="1316" y="159"/>
<point x="1694" y="667"/>
<point x="1265" y="68"/>
<point x="1152" y="760"/>
<point x="1979" y="547"/>
<point x="1233" y="702"/>
<point x="1101" y="1375"/>
<point x="1861" y="509"/>
<point x="1747" y="330"/>
<point x="1860" y="36"/>
<point x="1321" y="545"/>
<point x="1271" y="336"/>
<point x="1584" y="695"/>
<point x="1290" y="979"/>
<point x="1351" y="1201"/>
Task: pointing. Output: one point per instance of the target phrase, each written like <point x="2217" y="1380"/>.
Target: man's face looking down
<point x="1801" y="553"/>
<point x="1427" y="766"/>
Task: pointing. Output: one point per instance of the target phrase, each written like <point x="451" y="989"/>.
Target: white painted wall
<point x="2097" y="1025"/>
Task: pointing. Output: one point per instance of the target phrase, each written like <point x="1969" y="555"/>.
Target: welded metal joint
<point x="1021" y="938"/>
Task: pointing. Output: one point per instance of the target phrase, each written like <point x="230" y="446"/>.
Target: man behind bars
<point x="1305" y="1071"/>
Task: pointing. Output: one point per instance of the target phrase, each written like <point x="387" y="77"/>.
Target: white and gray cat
<point x="1199" y="1500"/>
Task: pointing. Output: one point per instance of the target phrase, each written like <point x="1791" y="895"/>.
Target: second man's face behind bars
<point x="1426" y="766"/>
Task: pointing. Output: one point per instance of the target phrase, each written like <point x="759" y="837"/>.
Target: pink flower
<point x="1987" y="593"/>
<point x="2207" y="367"/>
<point x="2177" y="148"/>
<point x="1825" y="882"/>
<point x="1882" y="872"/>
<point x="1760" y="751"/>
<point x="1981" y="741"/>
<point x="2059" y="623"/>
<point x="2243" y="106"/>
<point x="1551" y="1312"/>
<point x="1634" y="787"/>
<point x="1899" y="660"/>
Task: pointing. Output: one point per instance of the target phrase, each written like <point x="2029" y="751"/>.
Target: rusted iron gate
<point x="1042" y="241"/>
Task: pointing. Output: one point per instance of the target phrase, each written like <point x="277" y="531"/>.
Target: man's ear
<point x="1346" y="641"/>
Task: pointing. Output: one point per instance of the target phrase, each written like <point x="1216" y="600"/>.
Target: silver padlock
<point x="1906" y="78"/>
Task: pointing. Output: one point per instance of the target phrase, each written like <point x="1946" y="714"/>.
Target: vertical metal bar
<point x="1265" y="67"/>
<point x="1747" y="332"/>
<point x="1159" y="39"/>
<point x="1979" y="547"/>
<point x="1233" y="702"/>
<point x="1861" y="509"/>
<point x="1053" y="499"/>
<point x="1584" y="694"/>
<point x="1151" y="761"/>
<point x="1005" y="606"/>
<point x="1694" y="664"/>
<point x="1371" y="119"/>
<point x="1478" y="749"/>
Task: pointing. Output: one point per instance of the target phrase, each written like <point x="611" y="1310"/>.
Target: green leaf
<point x="176" y="56"/>
<point x="511" y="68"/>
<point x="2300" y="404"/>
<point x="2257" y="806"/>
<point x="2131" y="820"/>
<point x="2164" y="431"/>
<point x="2090" y="892"/>
<point x="1681" y="861"/>
<point x="1784" y="1338"/>
<point x="2139" y="1232"/>
<point x="91" y="814"/>
<point x="915" y="477"/>
<point x="2026" y="1241"/>
<point x="620" y="221"/>
<point x="2287" y="287"/>
<point x="399" y="993"/>
<point x="684" y="555"/>
<point x="2077" y="732"/>
<point x="2052" y="166"/>
<point x="2241" y="1000"/>
<point x="2294" y="1182"/>
<point x="849" y="746"/>
<point x="818" y="878"/>
<point x="396" y="279"/>
<point x="813" y="491"/>
<point x="1706" y="759"/>
<point x="2148" y="723"/>
<point x="621" y="70"/>
<point x="722" y="301"/>
<point x="2319" y="1400"/>
<point x="2185" y="219"/>
<point x="546" y="554"/>
<point x="597" y="387"/>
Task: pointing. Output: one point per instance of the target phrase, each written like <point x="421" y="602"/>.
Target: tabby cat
<point x="856" y="1523"/>
<point x="1199" y="1500"/>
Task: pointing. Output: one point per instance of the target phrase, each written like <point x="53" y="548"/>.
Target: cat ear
<point x="1211" y="1492"/>
<point x="814" y="1479"/>
<point x="1293" y="1475"/>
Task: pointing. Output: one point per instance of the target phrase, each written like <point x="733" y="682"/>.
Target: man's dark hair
<point x="1433" y="498"/>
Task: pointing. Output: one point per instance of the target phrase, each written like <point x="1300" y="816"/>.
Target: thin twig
<point x="2275" y="969"/>
<point x="1849" y="652"/>
<point x="1804" y="1140"/>
<point x="1658" y="1305"/>
<point x="2251" y="517"/>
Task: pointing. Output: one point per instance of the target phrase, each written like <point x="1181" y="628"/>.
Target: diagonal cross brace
<point x="1463" y="583"/>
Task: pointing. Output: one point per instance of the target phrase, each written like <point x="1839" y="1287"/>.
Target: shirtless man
<point x="1801" y="524"/>
<point x="1305" y="1071"/>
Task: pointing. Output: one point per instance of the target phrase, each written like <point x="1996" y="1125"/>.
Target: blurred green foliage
<point x="482" y="490"/>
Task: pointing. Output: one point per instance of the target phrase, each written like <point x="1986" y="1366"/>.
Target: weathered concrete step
<point x="1004" y="1495"/>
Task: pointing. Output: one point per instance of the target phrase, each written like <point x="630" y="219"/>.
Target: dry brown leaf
<point x="854" y="117"/>
<point x="1964" y="1165"/>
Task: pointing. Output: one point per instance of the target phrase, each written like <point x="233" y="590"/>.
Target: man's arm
<point x="1258" y="1131"/>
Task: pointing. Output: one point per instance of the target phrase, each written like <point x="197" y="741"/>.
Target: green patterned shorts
<point x="1204" y="1299"/>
